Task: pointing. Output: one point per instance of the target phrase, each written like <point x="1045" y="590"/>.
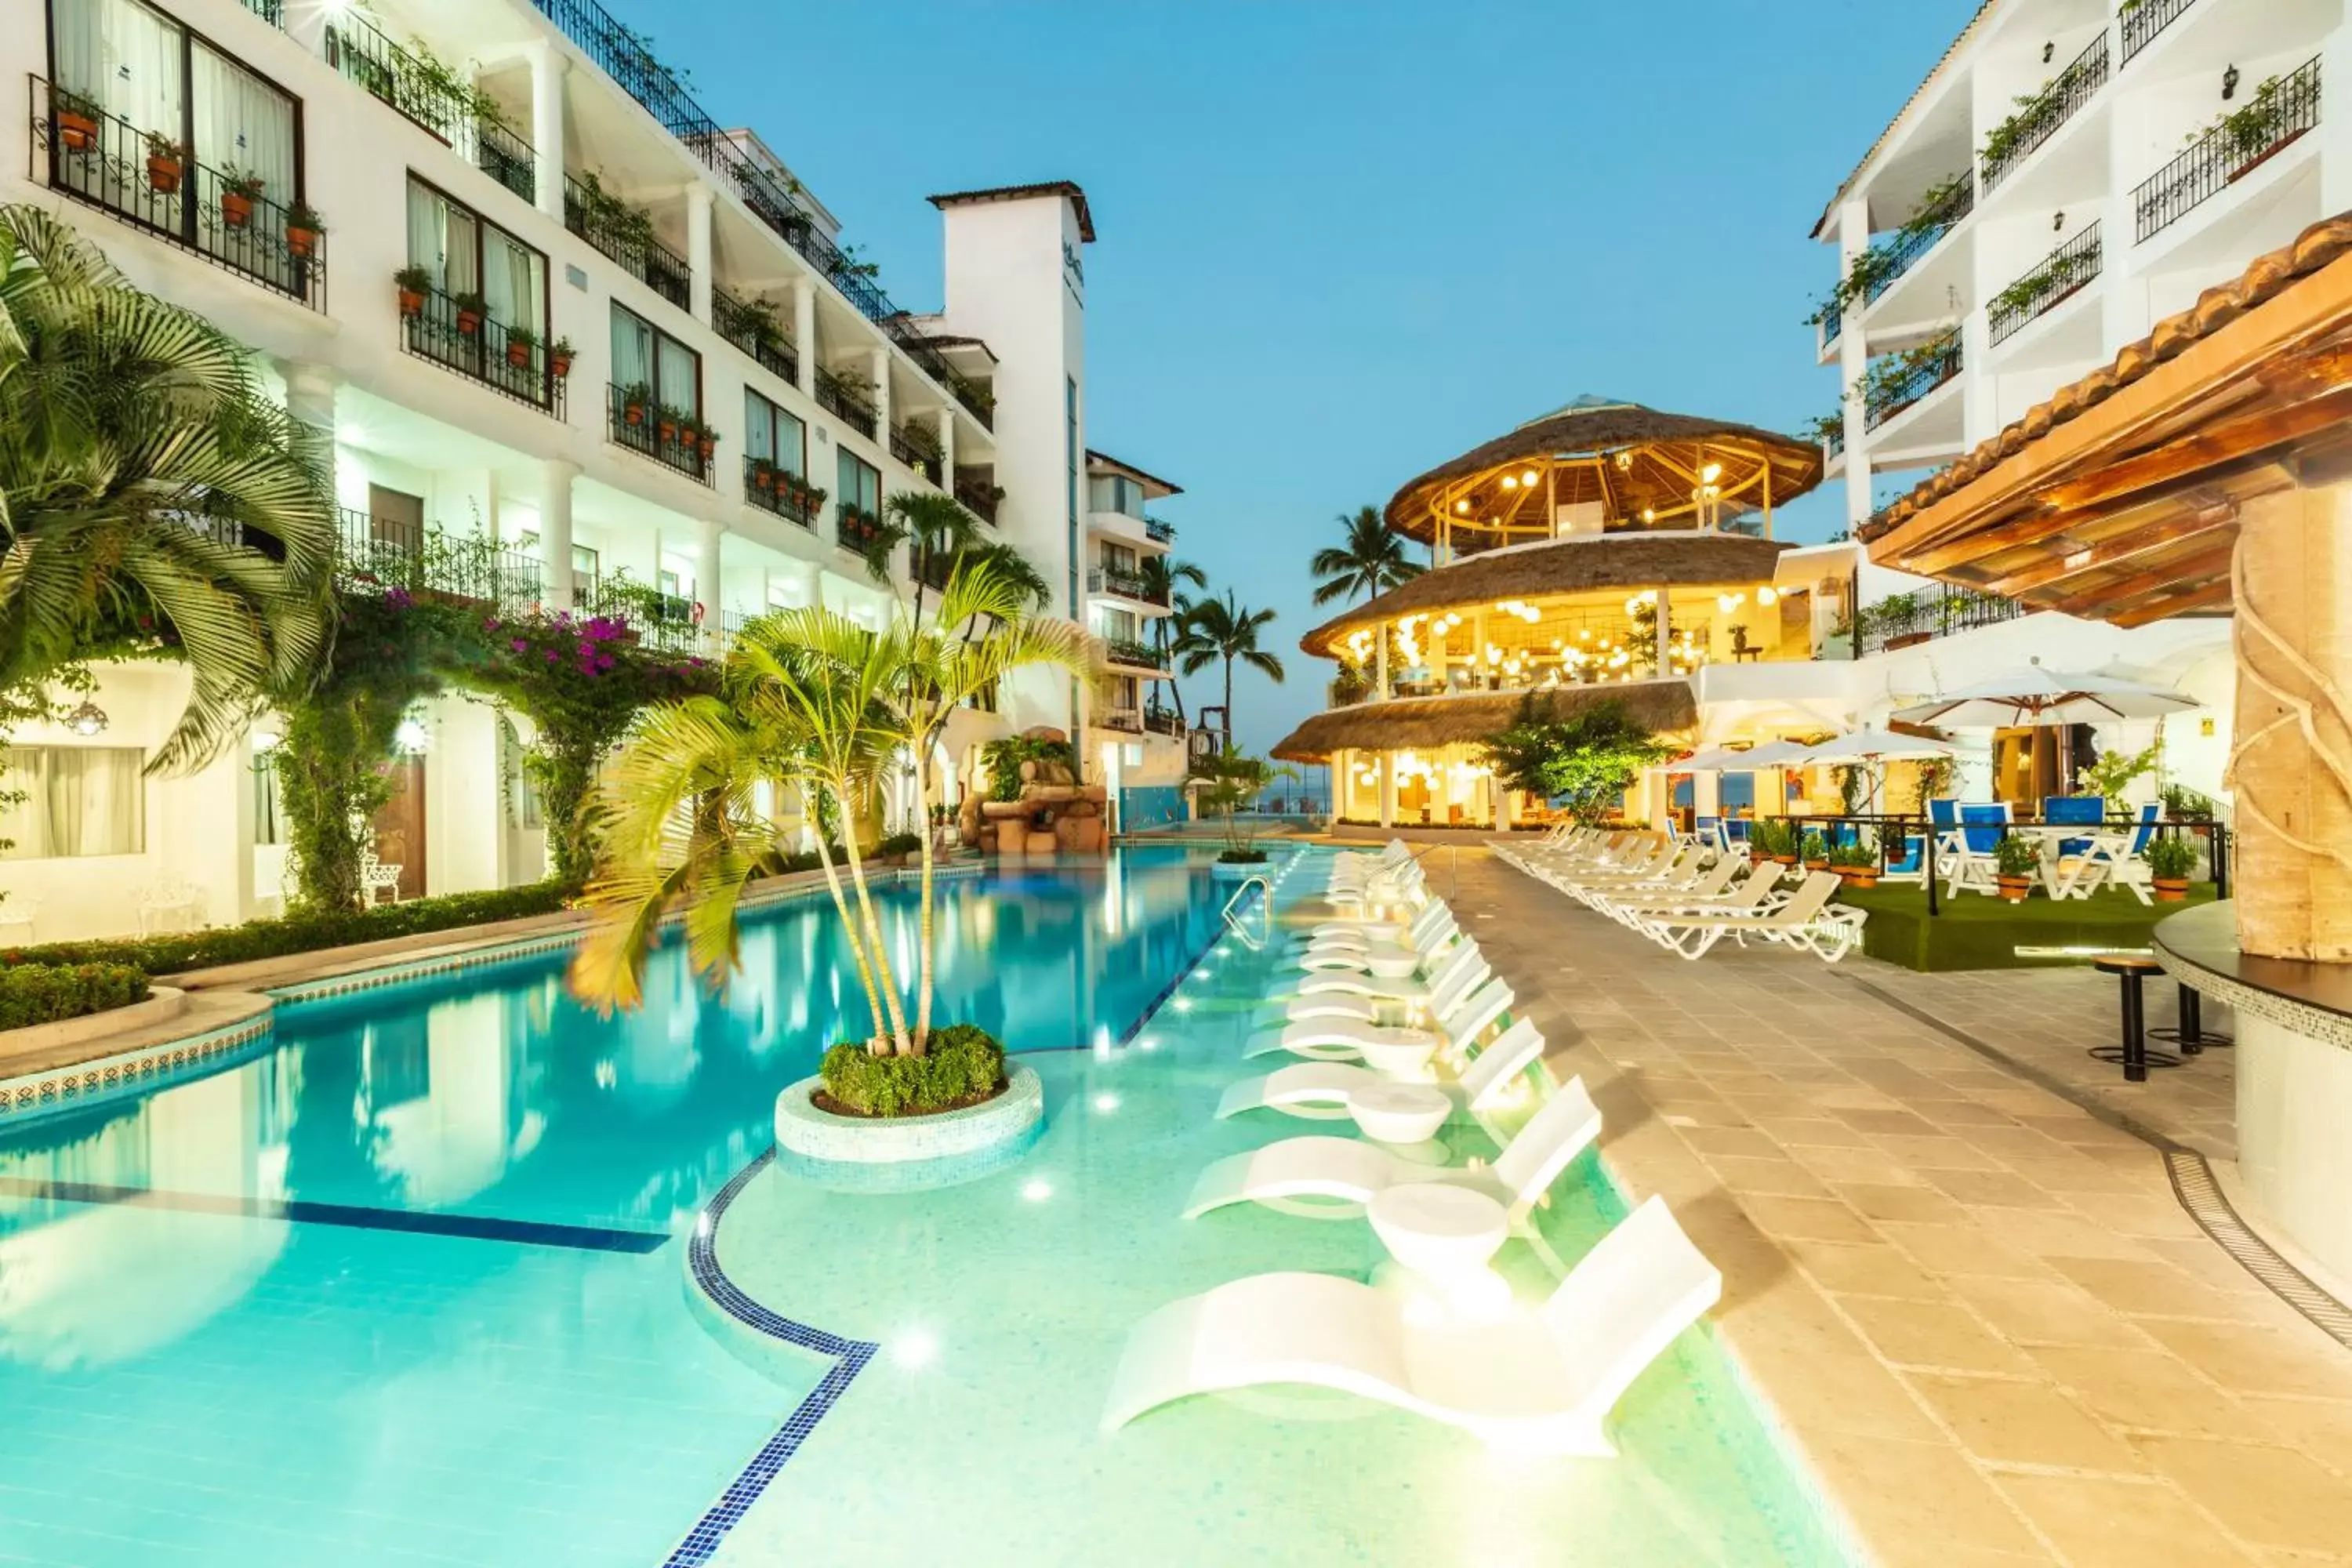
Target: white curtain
<point x="511" y="281"/>
<point x="758" y="427"/>
<point x="79" y="800"/>
<point x="681" y="382"/>
<point x="441" y="239"/>
<point x="632" y="344"/>
<point x="243" y="123"/>
<point x="124" y="55"/>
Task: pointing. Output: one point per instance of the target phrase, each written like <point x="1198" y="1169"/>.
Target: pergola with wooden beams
<point x="1603" y="464"/>
<point x="2207" y="470"/>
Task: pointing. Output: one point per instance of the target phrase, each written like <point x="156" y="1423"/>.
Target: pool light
<point x="1106" y="1102"/>
<point x="915" y="1348"/>
<point x="1183" y="1004"/>
<point x="1036" y="1189"/>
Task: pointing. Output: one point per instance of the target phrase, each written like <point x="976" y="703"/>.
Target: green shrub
<point x="45" y="993"/>
<point x="964" y="1062"/>
<point x="1243" y="857"/>
<point x="1856" y="852"/>
<point x="900" y="844"/>
<point x="2171" y="857"/>
<point x="174" y="951"/>
<point x="1817" y="847"/>
<point x="2016" y="855"/>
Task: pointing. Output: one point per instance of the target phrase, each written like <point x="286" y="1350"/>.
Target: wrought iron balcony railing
<point x="856" y="530"/>
<point x="651" y="431"/>
<point x="781" y="492"/>
<point x="836" y="396"/>
<point x="2055" y="277"/>
<point x="2144" y="21"/>
<point x="1919" y="237"/>
<point x="980" y="497"/>
<point x="374" y="552"/>
<point x="425" y="93"/>
<point x="752" y="325"/>
<point x="270" y="11"/>
<point x="1923" y="369"/>
<point x="918" y="450"/>
<point x="476" y="345"/>
<point x="625" y="234"/>
<point x="1158" y="531"/>
<point x="1163" y="722"/>
<point x="1126" y="584"/>
<point x="2279" y="111"/>
<point x="2036" y="122"/>
<point x="1904" y="618"/>
<point x="1131" y="654"/>
<point x="152" y="185"/>
<point x="660" y="620"/>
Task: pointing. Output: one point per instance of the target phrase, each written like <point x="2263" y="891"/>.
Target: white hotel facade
<point x="684" y="264"/>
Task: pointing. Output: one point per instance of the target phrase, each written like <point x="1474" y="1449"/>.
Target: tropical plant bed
<point x="964" y="1066"/>
<point x="825" y="1136"/>
<point x="1974" y="932"/>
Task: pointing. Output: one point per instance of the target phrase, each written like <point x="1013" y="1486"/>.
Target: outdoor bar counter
<point x="2293" y="1072"/>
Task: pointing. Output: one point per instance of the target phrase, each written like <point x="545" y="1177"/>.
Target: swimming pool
<point x="405" y="1289"/>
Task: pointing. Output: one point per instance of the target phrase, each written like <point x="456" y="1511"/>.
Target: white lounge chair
<point x="1802" y="919"/>
<point x="1465" y="967"/>
<point x="1325" y="1177"/>
<point x="1542" y="1381"/>
<point x="1706" y="885"/>
<point x="1465" y="1015"/>
<point x="1754" y="896"/>
<point x="1430" y="972"/>
<point x="1319" y="1091"/>
<point x="1423" y="940"/>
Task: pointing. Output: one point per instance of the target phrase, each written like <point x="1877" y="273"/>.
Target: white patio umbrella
<point x="2037" y="696"/>
<point x="1870" y="748"/>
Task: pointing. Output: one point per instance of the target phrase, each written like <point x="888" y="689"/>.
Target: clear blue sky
<point x="1344" y="240"/>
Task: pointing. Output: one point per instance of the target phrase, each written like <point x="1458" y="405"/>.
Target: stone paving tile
<point x="1979" y="1310"/>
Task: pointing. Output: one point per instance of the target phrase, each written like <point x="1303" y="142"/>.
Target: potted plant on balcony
<point x="520" y="341"/>
<point x="414" y="283"/>
<point x="1816" y="850"/>
<point x="2014" y="860"/>
<point x="166" y="160"/>
<point x="303" y="227"/>
<point x="471" y="307"/>
<point x="763" y="475"/>
<point x="706" y="439"/>
<point x="239" y="189"/>
<point x="77" y="115"/>
<point x="558" y="357"/>
<point x="666" y="421"/>
<point x="637" y="399"/>
<point x="2170" y="857"/>
<point x="1856" y="862"/>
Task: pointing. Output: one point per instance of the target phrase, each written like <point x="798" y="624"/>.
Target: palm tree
<point x="931" y="526"/>
<point x="146" y="482"/>
<point x="1217" y="629"/>
<point x="1163" y="579"/>
<point x="815" y="700"/>
<point x="1371" y="562"/>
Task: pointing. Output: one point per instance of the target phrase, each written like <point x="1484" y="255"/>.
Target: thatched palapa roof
<point x="1576" y="452"/>
<point x="1425" y="724"/>
<point x="1632" y="561"/>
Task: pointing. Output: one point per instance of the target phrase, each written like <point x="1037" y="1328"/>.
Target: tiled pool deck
<point x="1978" y="1308"/>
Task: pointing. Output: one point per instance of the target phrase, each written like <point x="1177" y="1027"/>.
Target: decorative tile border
<point x="850" y="1358"/>
<point x="2312" y="1023"/>
<point x="132" y="1072"/>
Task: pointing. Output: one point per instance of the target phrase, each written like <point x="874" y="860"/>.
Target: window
<point x="584" y="562"/>
<point x="771" y="435"/>
<point x="268" y="816"/>
<point x="469" y="257"/>
<point x="77" y="800"/>
<point x="861" y="484"/>
<point x="643" y="354"/>
<point x="1117" y="558"/>
<point x="1117" y="492"/>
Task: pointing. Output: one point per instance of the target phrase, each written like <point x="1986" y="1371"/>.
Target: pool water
<point x="407" y="1289"/>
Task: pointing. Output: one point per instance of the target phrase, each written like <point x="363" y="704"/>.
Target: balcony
<point x="856" y="530"/>
<point x="781" y="492"/>
<point x="1895" y="383"/>
<point x="625" y="234"/>
<point x="660" y="620"/>
<point x="918" y="450"/>
<point x="836" y="396"/>
<point x="1158" y="532"/>
<point x="978" y="496"/>
<point x="104" y="161"/>
<point x="1126" y="586"/>
<point x="1126" y="720"/>
<point x="1900" y="620"/>
<point x="1129" y="654"/>
<point x="2058" y="276"/>
<point x="2279" y="112"/>
<point x="1163" y="722"/>
<point x="465" y="338"/>
<point x="2016" y="139"/>
<point x="752" y="325"/>
<point x="635" y="421"/>
<point x="933" y="568"/>
<point x="1886" y="262"/>
<point x="381" y="553"/>
<point x="433" y="97"/>
<point x="2146" y="20"/>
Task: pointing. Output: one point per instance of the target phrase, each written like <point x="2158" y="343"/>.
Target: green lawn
<point x="1974" y="932"/>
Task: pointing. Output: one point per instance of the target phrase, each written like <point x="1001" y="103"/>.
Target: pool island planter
<point x="1240" y="870"/>
<point x="891" y="1154"/>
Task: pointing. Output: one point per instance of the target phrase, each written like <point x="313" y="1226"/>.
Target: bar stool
<point x="2133" y="1053"/>
<point x="2192" y="1036"/>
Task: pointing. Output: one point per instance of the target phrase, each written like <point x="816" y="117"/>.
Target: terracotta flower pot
<point x="517" y="355"/>
<point x="1862" y="877"/>
<point x="411" y="303"/>
<point x="668" y="428"/>
<point x="560" y="363"/>
<point x="2170" y="889"/>
<point x="163" y="174"/>
<point x="1817" y="864"/>
<point x="469" y="322"/>
<point x="77" y="130"/>
<point x="2013" y="889"/>
<point x="237" y="208"/>
<point x="634" y="413"/>
<point x="300" y="241"/>
<point x="708" y="445"/>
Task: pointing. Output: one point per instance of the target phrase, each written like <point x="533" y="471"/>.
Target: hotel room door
<point x="400" y="826"/>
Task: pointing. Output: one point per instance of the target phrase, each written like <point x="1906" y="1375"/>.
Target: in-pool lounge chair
<point x="1465" y="1012"/>
<point x="1323" y="1177"/>
<point x="1428" y="971"/>
<point x="1540" y="1381"/>
<point x="1324" y="995"/>
<point x="1432" y="932"/>
<point x="1319" y="1092"/>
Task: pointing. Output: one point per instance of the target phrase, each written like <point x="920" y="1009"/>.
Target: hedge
<point x="171" y="953"/>
<point x="45" y="993"/>
<point x="962" y="1063"/>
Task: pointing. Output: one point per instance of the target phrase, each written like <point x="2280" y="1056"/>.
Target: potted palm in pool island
<point x="1222" y="782"/>
<point x="819" y="704"/>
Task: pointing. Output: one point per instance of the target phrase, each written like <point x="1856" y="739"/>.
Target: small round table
<point x="1401" y="1053"/>
<point x="1400" y="1113"/>
<point x="1446" y="1234"/>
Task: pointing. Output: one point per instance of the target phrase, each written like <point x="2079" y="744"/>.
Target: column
<point x="812" y="587"/>
<point x="708" y="532"/>
<point x="555" y="477"/>
<point x="2290" y="768"/>
<point x="1479" y="665"/>
<point x="1387" y="789"/>
<point x="1665" y="634"/>
<point x="1979" y="402"/>
<point x="548" y="66"/>
<point x="805" y="335"/>
<point x="1497" y="792"/>
<point x="1341" y="780"/>
<point x="1853" y="362"/>
<point x="698" y="250"/>
<point x="947" y="448"/>
<point x="882" y="415"/>
<point x="311" y="401"/>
